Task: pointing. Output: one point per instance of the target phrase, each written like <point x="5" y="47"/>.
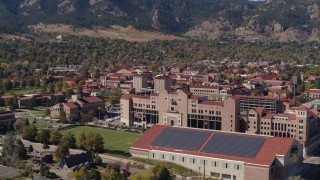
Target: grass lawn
<point x="170" y="165"/>
<point x="23" y="91"/>
<point x="3" y="108"/>
<point x="39" y="107"/>
<point x="115" y="142"/>
<point x="40" y="126"/>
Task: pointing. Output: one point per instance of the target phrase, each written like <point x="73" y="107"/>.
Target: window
<point x="172" y="158"/>
<point x="193" y="160"/>
<point x="214" y="174"/>
<point x="162" y="156"/>
<point x="153" y="155"/>
<point x="234" y="177"/>
<point x="226" y="165"/>
<point x="214" y="163"/>
<point x="237" y="167"/>
<point x="182" y="159"/>
<point x="300" y="132"/>
<point x="226" y="176"/>
<point x="204" y="162"/>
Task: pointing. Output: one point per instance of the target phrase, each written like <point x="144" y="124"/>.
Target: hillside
<point x="203" y="18"/>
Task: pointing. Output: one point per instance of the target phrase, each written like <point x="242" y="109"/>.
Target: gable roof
<point x="78" y="159"/>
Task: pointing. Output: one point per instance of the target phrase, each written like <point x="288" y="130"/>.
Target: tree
<point x="14" y="104"/>
<point x="112" y="174"/>
<point x="95" y="142"/>
<point x="80" y="90"/>
<point x="30" y="133"/>
<point x="55" y="136"/>
<point x="69" y="93"/>
<point x="7" y="85"/>
<point x="20" y="124"/>
<point x="47" y="112"/>
<point x="62" y="151"/>
<point x="45" y="146"/>
<point x="23" y="84"/>
<point x="43" y="136"/>
<point x="30" y="148"/>
<point x="58" y="86"/>
<point x="44" y="171"/>
<point x="161" y="172"/>
<point x="112" y="100"/>
<point x="9" y="149"/>
<point x="69" y="140"/>
<point x="84" y="174"/>
<point x="20" y="150"/>
<point x="97" y="159"/>
<point x="81" y="140"/>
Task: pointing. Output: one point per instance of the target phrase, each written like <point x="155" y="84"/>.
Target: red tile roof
<point x="259" y="110"/>
<point x="290" y="117"/>
<point x="71" y="105"/>
<point x="272" y="147"/>
<point x="93" y="99"/>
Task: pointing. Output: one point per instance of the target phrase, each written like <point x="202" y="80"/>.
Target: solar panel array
<point x="232" y="145"/>
<point x="181" y="139"/>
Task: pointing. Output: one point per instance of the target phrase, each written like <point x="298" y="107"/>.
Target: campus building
<point x="6" y="117"/>
<point x="269" y="103"/>
<point x="179" y="108"/>
<point x="140" y="83"/>
<point x="222" y="155"/>
<point x="313" y="93"/>
<point x="214" y="93"/>
<point x="162" y="82"/>
<point x="299" y="123"/>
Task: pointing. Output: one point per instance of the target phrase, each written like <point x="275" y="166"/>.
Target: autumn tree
<point x="94" y="142"/>
<point x="30" y="133"/>
<point x="43" y="136"/>
<point x="55" y="136"/>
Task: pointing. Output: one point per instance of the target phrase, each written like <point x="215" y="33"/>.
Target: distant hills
<point x="201" y="18"/>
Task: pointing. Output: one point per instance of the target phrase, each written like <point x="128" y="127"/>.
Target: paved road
<point x="8" y="172"/>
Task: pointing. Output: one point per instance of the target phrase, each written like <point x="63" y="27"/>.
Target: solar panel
<point x="180" y="139"/>
<point x="231" y="145"/>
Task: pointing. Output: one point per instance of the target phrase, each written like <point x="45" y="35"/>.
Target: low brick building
<point x="222" y="155"/>
<point x="5" y="118"/>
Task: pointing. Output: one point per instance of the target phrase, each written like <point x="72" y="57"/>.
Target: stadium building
<point x="222" y="155"/>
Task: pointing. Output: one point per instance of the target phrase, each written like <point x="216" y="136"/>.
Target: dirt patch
<point x="115" y="32"/>
<point x="208" y="29"/>
<point x="213" y="29"/>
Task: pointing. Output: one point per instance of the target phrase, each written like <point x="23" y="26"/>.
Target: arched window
<point x="294" y="154"/>
<point x="172" y="123"/>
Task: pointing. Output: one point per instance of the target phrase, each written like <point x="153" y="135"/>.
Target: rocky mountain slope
<point x="202" y="18"/>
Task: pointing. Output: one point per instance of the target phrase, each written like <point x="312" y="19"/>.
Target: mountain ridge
<point x="168" y="16"/>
